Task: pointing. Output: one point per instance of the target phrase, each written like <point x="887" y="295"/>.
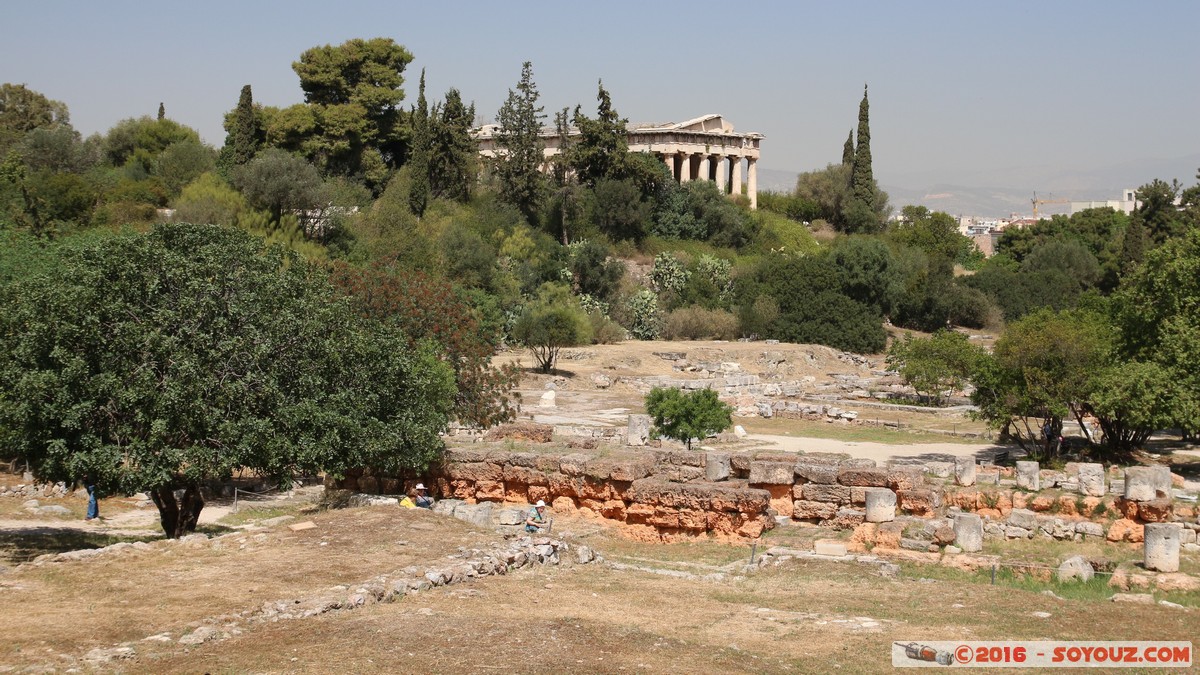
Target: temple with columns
<point x="704" y="148"/>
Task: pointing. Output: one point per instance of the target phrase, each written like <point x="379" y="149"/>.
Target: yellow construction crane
<point x="1038" y="202"/>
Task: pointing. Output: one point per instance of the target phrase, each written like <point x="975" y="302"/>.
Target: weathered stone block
<point x="717" y="466"/>
<point x="1143" y="483"/>
<point x="964" y="471"/>
<point x="881" y="505"/>
<point x="825" y="474"/>
<point x="968" y="532"/>
<point x="639" y="430"/>
<point x="838" y="494"/>
<point x="1161" y="548"/>
<point x="847" y="518"/>
<point x="1023" y="518"/>
<point x="1077" y="568"/>
<point x="863" y="477"/>
<point x="1155" y="510"/>
<point x="1029" y="476"/>
<point x="905" y="477"/>
<point x="771" y="473"/>
<point x="921" y="502"/>
<point x="807" y="510"/>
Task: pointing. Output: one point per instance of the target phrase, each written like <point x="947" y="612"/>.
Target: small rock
<point x="1138" y="598"/>
<point x="199" y="636"/>
<point x="1041" y="615"/>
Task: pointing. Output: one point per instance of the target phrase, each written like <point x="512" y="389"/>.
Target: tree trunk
<point x="178" y="510"/>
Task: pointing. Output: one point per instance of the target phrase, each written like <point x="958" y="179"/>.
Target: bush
<point x="697" y="323"/>
<point x="645" y="318"/>
<point x="605" y="331"/>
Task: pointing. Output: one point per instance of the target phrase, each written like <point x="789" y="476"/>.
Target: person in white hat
<point x="422" y="498"/>
<point x="537" y="518"/>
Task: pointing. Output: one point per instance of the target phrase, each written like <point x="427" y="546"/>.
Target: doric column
<point x="722" y="172"/>
<point x="705" y="174"/>
<point x="685" y="167"/>
<point x="736" y="188"/>
<point x="669" y="160"/>
<point x="752" y="181"/>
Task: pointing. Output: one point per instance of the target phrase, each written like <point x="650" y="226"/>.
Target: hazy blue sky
<point x="955" y="87"/>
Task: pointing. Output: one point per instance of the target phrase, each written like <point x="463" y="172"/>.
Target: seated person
<point x="537" y="518"/>
<point x="422" y="498"/>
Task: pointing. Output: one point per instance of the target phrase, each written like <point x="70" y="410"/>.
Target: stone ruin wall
<point x="672" y="495"/>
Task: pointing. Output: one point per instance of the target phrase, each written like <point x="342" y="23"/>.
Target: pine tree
<point x="452" y="149"/>
<point x="863" y="181"/>
<point x="848" y="150"/>
<point x="518" y="166"/>
<point x="418" y="163"/>
<point x="162" y="110"/>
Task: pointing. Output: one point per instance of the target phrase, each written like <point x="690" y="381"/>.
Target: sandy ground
<point x="880" y="452"/>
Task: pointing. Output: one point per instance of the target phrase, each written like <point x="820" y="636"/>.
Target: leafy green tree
<point x="419" y="151"/>
<point x="811" y="310"/>
<point x="1156" y="206"/>
<point x="935" y="365"/>
<point x="58" y="148"/>
<point x="22" y="110"/>
<point x="519" y="162"/>
<point x="830" y="189"/>
<point x="159" y="362"/>
<point x="1133" y="245"/>
<point x="137" y="142"/>
<point x="934" y="233"/>
<point x="593" y="272"/>
<point x="209" y="200"/>
<point x="279" y="181"/>
<point x="619" y="210"/>
<point x="1158" y="311"/>
<point x="868" y="272"/>
<point x="551" y="322"/>
<point x="685" y="416"/>
<point x="848" y="150"/>
<point x="182" y="162"/>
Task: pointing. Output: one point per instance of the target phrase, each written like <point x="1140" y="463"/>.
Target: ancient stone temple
<point x="704" y="148"/>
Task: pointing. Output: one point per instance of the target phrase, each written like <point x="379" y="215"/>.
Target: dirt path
<point x="880" y="452"/>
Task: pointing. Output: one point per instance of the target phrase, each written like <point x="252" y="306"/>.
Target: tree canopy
<point x="158" y="362"/>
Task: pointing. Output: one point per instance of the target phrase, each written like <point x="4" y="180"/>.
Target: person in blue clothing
<point x="537" y="518"/>
<point x="93" y="508"/>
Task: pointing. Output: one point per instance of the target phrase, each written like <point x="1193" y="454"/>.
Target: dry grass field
<point x="659" y="609"/>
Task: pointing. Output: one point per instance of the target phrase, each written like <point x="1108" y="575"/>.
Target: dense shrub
<point x="698" y="323"/>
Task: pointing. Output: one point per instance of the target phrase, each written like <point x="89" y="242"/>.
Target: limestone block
<point x="919" y="502"/>
<point x="940" y="469"/>
<point x="803" y="509"/>
<point x="964" y="471"/>
<point x="639" y="430"/>
<point x="847" y="518"/>
<point x="1013" y="532"/>
<point x="863" y="477"/>
<point x="511" y="516"/>
<point x="1075" y="567"/>
<point x="717" y="466"/>
<point x="1124" y="529"/>
<point x="1161" y="548"/>
<point x="1089" y="528"/>
<point x="905" y="477"/>
<point x="1091" y="479"/>
<point x="1143" y="483"/>
<point x="838" y="494"/>
<point x="740" y="464"/>
<point x="825" y="474"/>
<point x="1029" y="476"/>
<point x="771" y="473"/>
<point x="1023" y="518"/>
<point x="548" y="400"/>
<point x="881" y="505"/>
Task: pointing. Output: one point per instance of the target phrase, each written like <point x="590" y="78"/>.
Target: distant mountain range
<point x="999" y="192"/>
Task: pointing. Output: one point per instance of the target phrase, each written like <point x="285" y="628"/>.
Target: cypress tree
<point x="863" y="182"/>
<point x="848" y="150"/>
<point x="162" y="110"/>
<point x="1133" y="246"/>
<point x="244" y="134"/>
<point x="452" y="149"/>
<point x="418" y="191"/>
